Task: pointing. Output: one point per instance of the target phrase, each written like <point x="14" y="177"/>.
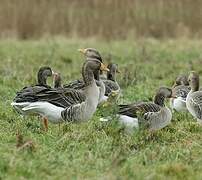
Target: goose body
<point x="180" y="90"/>
<point x="148" y="113"/>
<point x="155" y="115"/>
<point x="178" y="102"/>
<point x="57" y="107"/>
<point x="194" y="97"/>
<point x="194" y="104"/>
<point x="42" y="75"/>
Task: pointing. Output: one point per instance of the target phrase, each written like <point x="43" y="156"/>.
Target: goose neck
<point x="41" y="79"/>
<point x="159" y="99"/>
<point x="88" y="76"/>
<point x="111" y="76"/>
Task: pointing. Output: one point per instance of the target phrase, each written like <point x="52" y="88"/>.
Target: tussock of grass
<point x="97" y="150"/>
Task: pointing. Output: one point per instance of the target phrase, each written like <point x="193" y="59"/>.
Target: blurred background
<point x="109" y="19"/>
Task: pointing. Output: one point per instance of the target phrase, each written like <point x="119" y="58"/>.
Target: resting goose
<point x="62" y="104"/>
<point x="90" y="54"/>
<point x="42" y="75"/>
<point x="154" y="114"/>
<point x="111" y="85"/>
<point x="194" y="97"/>
<point x="180" y="90"/>
<point x="57" y="81"/>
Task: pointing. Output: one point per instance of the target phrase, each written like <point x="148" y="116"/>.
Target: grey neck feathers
<point x="96" y="57"/>
<point x="195" y="87"/>
<point x="42" y="79"/>
<point x="159" y="99"/>
<point x="96" y="75"/>
<point x="57" y="84"/>
<point x="111" y="76"/>
<point x="88" y="76"/>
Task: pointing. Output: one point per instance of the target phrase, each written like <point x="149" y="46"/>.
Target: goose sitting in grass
<point x="194" y="97"/>
<point x="180" y="90"/>
<point x="155" y="115"/>
<point x="90" y="54"/>
<point x="57" y="81"/>
<point x="57" y="105"/>
<point x="42" y="75"/>
<point x="112" y="87"/>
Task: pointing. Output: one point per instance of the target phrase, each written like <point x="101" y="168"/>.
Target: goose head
<point x="57" y="80"/>
<point x="181" y="80"/>
<point x="113" y="69"/>
<point x="161" y="94"/>
<point x="194" y="81"/>
<point x="91" y="53"/>
<point x="91" y="66"/>
<point x="43" y="73"/>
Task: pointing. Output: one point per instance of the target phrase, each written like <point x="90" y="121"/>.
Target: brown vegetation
<point x="109" y="19"/>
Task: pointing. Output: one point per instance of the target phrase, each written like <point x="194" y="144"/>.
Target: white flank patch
<point x="45" y="109"/>
<point x="179" y="104"/>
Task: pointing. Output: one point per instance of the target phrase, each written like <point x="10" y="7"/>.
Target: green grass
<point x="97" y="150"/>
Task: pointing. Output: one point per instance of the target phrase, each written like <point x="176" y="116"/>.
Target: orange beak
<point x="83" y="51"/>
<point x="103" y="67"/>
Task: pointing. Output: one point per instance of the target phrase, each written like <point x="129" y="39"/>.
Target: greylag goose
<point x="42" y="75"/>
<point x="194" y="97"/>
<point x="180" y="91"/>
<point x="111" y="85"/>
<point x="57" y="105"/>
<point x="90" y="54"/>
<point x="57" y="81"/>
<point x="153" y="114"/>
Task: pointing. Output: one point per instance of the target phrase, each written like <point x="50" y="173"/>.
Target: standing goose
<point x="62" y="104"/>
<point x="194" y="97"/>
<point x="180" y="90"/>
<point x="90" y="54"/>
<point x="154" y="114"/>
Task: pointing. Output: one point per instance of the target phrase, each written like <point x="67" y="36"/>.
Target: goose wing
<point x="110" y="86"/>
<point x="181" y="91"/>
<point x="27" y="94"/>
<point x="133" y="110"/>
<point x="77" y="84"/>
<point x="60" y="97"/>
<point x="196" y="103"/>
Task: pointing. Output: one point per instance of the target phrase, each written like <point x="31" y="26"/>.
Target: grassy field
<point x="97" y="150"/>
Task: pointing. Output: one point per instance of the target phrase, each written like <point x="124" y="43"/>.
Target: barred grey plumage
<point x="181" y="91"/>
<point x="92" y="55"/>
<point x="28" y="93"/>
<point x="194" y="97"/>
<point x="155" y="114"/>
